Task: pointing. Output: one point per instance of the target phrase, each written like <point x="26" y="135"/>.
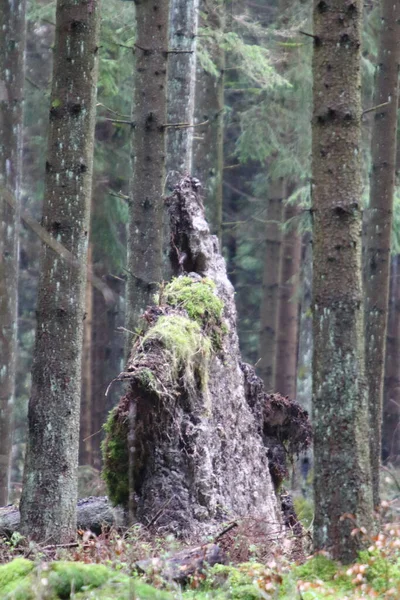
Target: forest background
<point x="252" y="154"/>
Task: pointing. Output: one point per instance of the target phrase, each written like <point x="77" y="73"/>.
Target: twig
<point x="308" y="34"/>
<point x="368" y="110"/>
<point x="159" y="513"/>
<point x="118" y="195"/>
<point x="120" y="121"/>
<point x="92" y="435"/>
<point x="114" y="112"/>
<point x="183" y="125"/>
<point x="226" y="530"/>
<point x="180" y="51"/>
<point x="35" y="85"/>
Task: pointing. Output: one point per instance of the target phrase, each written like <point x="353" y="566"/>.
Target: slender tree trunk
<point x="48" y="503"/>
<point x="181" y="87"/>
<point x="391" y="406"/>
<point x="379" y="223"/>
<point x="304" y="367"/>
<point x="208" y="139"/>
<point x="288" y="321"/>
<point x="12" y="68"/>
<point x="342" y="478"/>
<point x="148" y="157"/>
<point x="85" y="439"/>
<point x="270" y="285"/>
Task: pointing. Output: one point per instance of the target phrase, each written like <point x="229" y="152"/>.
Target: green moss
<point x="65" y="577"/>
<point x="116" y="458"/>
<point x="187" y="347"/>
<point x="383" y="572"/>
<point x="21" y="580"/>
<point x="304" y="510"/>
<point x="201" y="303"/>
<point x="147" y="380"/>
<point x="198" y="298"/>
<point x="14" y="575"/>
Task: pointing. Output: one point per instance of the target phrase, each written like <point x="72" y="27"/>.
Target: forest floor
<point x="105" y="567"/>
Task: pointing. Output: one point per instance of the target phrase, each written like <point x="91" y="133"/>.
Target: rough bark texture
<point x="198" y="451"/>
<point x="304" y="367"/>
<point x="208" y="140"/>
<point x="12" y="67"/>
<point x="149" y="113"/>
<point x="288" y="321"/>
<point x="181" y="87"/>
<point x="379" y="223"/>
<point x="391" y="405"/>
<point x="342" y="483"/>
<point x="270" y="286"/>
<point x="48" y="503"/>
<point x="85" y="430"/>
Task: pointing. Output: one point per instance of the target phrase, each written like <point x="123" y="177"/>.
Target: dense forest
<point x="199" y="299"/>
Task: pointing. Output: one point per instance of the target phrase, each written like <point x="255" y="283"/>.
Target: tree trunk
<point x="48" y="503"/>
<point x="379" y="223"/>
<point x="288" y="321"/>
<point x="85" y="435"/>
<point x="270" y="286"/>
<point x="196" y="437"/>
<point x="181" y="87"/>
<point x="342" y="478"/>
<point x="391" y="406"/>
<point x="12" y="69"/>
<point x="208" y="140"/>
<point x="148" y="157"/>
<point x="304" y="368"/>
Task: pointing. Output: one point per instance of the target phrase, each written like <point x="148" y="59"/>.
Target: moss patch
<point x="21" y="580"/>
<point x="201" y="303"/>
<point x="188" y="349"/>
<point x="115" y="455"/>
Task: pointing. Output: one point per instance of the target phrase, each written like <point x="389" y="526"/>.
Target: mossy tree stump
<point x="196" y="456"/>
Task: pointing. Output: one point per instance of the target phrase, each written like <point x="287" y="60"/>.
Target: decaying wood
<point x="93" y="513"/>
<point x="184" y="564"/>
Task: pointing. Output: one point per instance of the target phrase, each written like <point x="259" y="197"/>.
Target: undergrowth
<point x="103" y="568"/>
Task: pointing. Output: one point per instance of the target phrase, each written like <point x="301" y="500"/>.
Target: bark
<point x="391" y="406"/>
<point x="85" y="437"/>
<point x="48" y="503"/>
<point x="93" y="513"/>
<point x="107" y="359"/>
<point x="288" y="323"/>
<point x="208" y="140"/>
<point x="379" y="223"/>
<point x="148" y="157"/>
<point x="12" y="69"/>
<point x="342" y="478"/>
<point x="304" y="379"/>
<point x="198" y="452"/>
<point x="270" y="286"/>
<point x="181" y="87"/>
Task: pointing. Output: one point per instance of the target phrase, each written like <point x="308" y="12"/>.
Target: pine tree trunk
<point x="342" y="478"/>
<point x="288" y="320"/>
<point x="145" y="239"/>
<point x="12" y="68"/>
<point x="391" y="405"/>
<point x="181" y="87"/>
<point x="208" y="140"/>
<point x="304" y="367"/>
<point x="85" y="439"/>
<point x="270" y="286"/>
<point x="379" y="223"/>
<point x="48" y="503"/>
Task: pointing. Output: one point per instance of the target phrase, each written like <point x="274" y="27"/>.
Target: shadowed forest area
<point x="199" y="299"/>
